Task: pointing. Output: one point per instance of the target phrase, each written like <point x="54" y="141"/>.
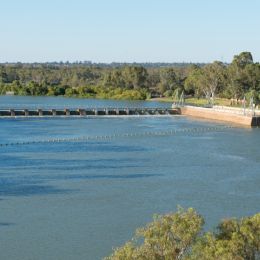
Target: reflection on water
<point x="77" y="200"/>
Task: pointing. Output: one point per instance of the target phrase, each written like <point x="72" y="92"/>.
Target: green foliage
<point x="194" y="82"/>
<point x="243" y="59"/>
<point x="235" y="239"/>
<point x="118" y="83"/>
<point x="168" y="93"/>
<point x="134" y="77"/>
<point x="236" y="80"/>
<point x="167" y="237"/>
<point x="178" y="236"/>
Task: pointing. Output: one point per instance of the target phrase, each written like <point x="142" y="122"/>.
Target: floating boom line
<point x="119" y="135"/>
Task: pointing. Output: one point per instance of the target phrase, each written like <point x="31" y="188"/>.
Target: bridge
<point x="67" y="112"/>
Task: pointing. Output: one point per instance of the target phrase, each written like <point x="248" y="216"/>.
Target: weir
<point x="68" y="112"/>
<point x="225" y="114"/>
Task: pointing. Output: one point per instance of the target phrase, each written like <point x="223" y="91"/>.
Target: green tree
<point x="178" y="236"/>
<point x="167" y="237"/>
<point x="243" y="59"/>
<point x="135" y="77"/>
<point x="237" y="76"/>
<point x="171" y="80"/>
<point x="212" y="80"/>
<point x="252" y="74"/>
<point x="154" y="80"/>
<point x="235" y="239"/>
<point x="3" y="76"/>
<point x="194" y="82"/>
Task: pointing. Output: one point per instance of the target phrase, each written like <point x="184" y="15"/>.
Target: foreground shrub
<point x="178" y="236"/>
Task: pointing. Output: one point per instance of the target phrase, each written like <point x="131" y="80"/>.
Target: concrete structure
<point x="87" y="112"/>
<point x="231" y="116"/>
<point x="226" y="114"/>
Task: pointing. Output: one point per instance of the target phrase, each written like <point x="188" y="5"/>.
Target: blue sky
<point x="128" y="30"/>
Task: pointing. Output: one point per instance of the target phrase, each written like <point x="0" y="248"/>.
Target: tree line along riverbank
<point x="136" y="82"/>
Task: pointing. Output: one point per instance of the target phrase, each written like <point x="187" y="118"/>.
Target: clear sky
<point x="128" y="30"/>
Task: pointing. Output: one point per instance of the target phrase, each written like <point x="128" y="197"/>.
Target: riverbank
<point x="195" y="101"/>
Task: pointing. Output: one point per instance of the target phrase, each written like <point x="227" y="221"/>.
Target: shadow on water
<point x="13" y="164"/>
<point x="17" y="189"/>
<point x="102" y="176"/>
<point x="34" y="185"/>
<point x="6" y="224"/>
<point x="49" y="165"/>
<point x="74" y="168"/>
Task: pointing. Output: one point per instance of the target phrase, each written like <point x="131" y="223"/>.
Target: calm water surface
<point x="78" y="199"/>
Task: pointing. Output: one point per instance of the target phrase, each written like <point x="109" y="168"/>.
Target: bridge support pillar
<point x="82" y="112"/>
<point x="26" y="112"/>
<point x="12" y="112"/>
<point x="40" y="113"/>
<point x="117" y="112"/>
<point x="54" y="112"/>
<point x="127" y="111"/>
<point x="67" y="112"/>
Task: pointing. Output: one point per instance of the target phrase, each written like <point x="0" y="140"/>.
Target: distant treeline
<point x="102" y="65"/>
<point x="134" y="81"/>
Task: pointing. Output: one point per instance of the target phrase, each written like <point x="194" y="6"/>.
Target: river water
<point x="73" y="188"/>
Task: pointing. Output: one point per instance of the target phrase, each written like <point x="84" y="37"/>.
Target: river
<point x="73" y="188"/>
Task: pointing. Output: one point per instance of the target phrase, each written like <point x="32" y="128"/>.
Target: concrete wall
<point x="209" y="113"/>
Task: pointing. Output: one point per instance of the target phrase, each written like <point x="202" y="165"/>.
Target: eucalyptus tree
<point x="238" y="83"/>
<point x="153" y="80"/>
<point x="194" y="82"/>
<point x="252" y="74"/>
<point x="171" y="80"/>
<point x="179" y="236"/>
<point x="235" y="239"/>
<point x="212" y="79"/>
<point x="135" y="77"/>
<point x="243" y="59"/>
<point x="168" y="237"/>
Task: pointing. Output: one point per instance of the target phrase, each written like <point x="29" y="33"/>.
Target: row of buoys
<point x="108" y="137"/>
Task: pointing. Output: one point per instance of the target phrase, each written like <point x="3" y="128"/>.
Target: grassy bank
<point x="195" y="101"/>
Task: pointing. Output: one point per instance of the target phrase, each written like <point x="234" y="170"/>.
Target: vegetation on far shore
<point x="217" y="80"/>
<point x="195" y="101"/>
<point x="179" y="236"/>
